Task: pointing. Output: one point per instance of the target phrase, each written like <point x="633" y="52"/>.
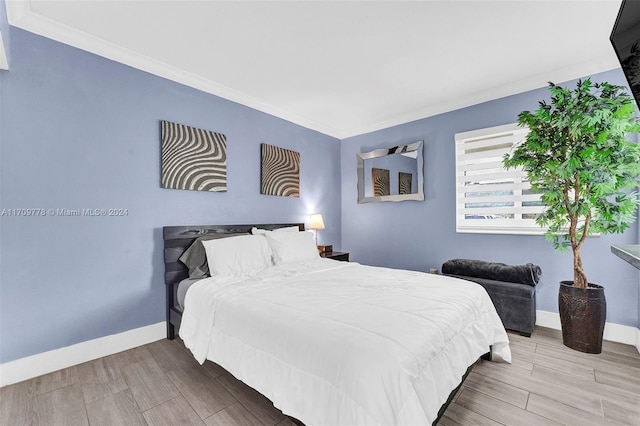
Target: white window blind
<point x="489" y="198"/>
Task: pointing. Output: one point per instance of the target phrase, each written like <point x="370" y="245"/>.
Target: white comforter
<point x="337" y="343"/>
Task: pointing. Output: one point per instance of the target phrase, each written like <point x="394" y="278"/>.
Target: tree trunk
<point x="579" y="277"/>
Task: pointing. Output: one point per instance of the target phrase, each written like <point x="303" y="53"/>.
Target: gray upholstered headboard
<point x="176" y="240"/>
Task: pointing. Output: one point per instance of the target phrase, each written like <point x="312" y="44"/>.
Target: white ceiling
<point x="341" y="68"/>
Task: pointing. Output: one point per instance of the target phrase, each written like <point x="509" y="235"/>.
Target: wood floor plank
<point x="620" y="348"/>
<point x="100" y="378"/>
<point x="115" y="409"/>
<point x="259" y="406"/>
<point x="234" y="415"/>
<point x="497" y="389"/>
<point x="597" y="389"/>
<point x="213" y="369"/>
<point x="149" y="384"/>
<point x="499" y="411"/>
<point x="123" y="359"/>
<point x="287" y="422"/>
<point x="457" y="394"/>
<point x="564" y="414"/>
<point x="64" y="406"/>
<point x="446" y="421"/>
<point x="52" y="381"/>
<point x="206" y="395"/>
<point x="624" y="414"/>
<point x="170" y="356"/>
<point x="621" y="359"/>
<point x="175" y="412"/>
<point x="620" y="378"/>
<point x="459" y="415"/>
<point x="548" y="336"/>
<point x="522" y="345"/>
<point x="537" y="358"/>
<point x="521" y="364"/>
<point x="16" y="405"/>
<point x="556" y="390"/>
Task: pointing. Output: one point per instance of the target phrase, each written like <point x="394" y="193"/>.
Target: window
<point x="489" y="198"/>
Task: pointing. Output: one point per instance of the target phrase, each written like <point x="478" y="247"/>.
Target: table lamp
<point x="316" y="223"/>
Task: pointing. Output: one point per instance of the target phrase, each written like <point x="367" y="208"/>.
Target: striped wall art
<point x="380" y="182"/>
<point x="193" y="158"/>
<point x="280" y="171"/>
<point x="404" y="183"/>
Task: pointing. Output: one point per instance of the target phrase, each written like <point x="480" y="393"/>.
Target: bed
<point x="331" y="342"/>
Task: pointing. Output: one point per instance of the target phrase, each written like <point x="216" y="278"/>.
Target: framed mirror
<point x="391" y="174"/>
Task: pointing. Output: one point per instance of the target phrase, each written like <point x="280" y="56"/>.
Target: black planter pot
<point x="583" y="312"/>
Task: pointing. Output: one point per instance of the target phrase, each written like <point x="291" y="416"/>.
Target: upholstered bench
<point x="511" y="288"/>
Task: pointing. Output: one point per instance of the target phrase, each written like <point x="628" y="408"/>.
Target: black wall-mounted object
<point x="625" y="39"/>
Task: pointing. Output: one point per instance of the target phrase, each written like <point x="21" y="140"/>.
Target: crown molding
<point x="21" y="16"/>
<point x="580" y="70"/>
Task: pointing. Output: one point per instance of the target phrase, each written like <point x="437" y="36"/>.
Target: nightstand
<point x="336" y="255"/>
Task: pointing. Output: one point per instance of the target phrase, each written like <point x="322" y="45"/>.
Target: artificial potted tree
<point x="577" y="156"/>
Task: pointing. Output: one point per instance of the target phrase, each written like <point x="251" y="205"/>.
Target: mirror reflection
<point x="391" y="174"/>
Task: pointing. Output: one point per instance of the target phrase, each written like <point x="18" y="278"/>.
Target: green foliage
<point x="578" y="158"/>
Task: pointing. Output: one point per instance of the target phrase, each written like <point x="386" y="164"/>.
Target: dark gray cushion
<point x="507" y="289"/>
<point x="523" y="274"/>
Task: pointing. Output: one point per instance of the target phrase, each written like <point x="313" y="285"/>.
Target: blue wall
<point x="420" y="235"/>
<point x="80" y="131"/>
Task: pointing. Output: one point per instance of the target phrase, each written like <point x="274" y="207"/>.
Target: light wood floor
<point x="161" y="384"/>
<point x="549" y="384"/>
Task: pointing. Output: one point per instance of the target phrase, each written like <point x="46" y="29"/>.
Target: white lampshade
<point x="316" y="222"/>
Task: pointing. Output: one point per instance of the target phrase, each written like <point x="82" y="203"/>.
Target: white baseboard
<point x="47" y="362"/>
<point x="548" y="319"/>
<point x="612" y="332"/>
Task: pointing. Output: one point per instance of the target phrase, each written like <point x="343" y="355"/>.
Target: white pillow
<point x="289" y="247"/>
<point x="237" y="255"/>
<point x="258" y="231"/>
